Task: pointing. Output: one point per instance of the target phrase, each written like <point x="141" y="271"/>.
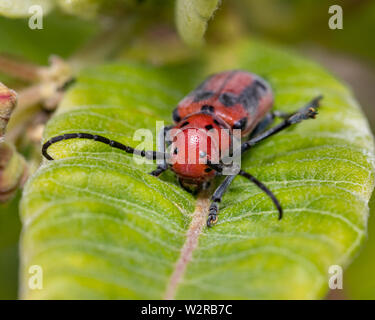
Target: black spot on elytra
<point x="175" y="151"/>
<point x="207" y="108"/>
<point x="228" y="99"/>
<point x="209" y="127"/>
<point x="207" y="170"/>
<point x="176" y="117"/>
<point x="250" y="97"/>
<point x="184" y="124"/>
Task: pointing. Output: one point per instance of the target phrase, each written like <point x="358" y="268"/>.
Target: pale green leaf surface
<point x="192" y="17"/>
<point x="101" y="227"/>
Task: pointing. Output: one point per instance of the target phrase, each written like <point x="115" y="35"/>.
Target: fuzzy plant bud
<point x="8" y="101"/>
<point x="13" y="171"/>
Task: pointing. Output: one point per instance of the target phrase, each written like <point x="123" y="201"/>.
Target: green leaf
<point x="192" y="17"/>
<point x="101" y="227"/>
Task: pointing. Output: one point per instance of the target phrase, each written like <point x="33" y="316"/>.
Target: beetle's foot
<point x="212" y="215"/>
<point x="308" y="112"/>
<point x="212" y="219"/>
<point x="312" y="113"/>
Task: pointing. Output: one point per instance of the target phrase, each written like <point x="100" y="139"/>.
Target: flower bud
<point x="8" y="100"/>
<point x="13" y="171"/>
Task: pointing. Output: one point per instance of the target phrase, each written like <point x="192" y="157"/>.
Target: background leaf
<point x="101" y="227"/>
<point x="192" y="17"/>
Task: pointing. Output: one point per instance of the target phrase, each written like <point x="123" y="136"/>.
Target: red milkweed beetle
<point x="228" y="100"/>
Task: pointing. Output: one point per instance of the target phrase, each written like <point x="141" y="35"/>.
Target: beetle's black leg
<point x="216" y="198"/>
<point x="262" y="126"/>
<point x="163" y="166"/>
<point x="308" y="112"/>
<point x="281" y="114"/>
<point x="265" y="189"/>
<point x="267" y="120"/>
<point x="159" y="170"/>
<point x="153" y="155"/>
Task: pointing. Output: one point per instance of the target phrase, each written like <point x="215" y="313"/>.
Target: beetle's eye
<point x="202" y="154"/>
<point x="175" y="151"/>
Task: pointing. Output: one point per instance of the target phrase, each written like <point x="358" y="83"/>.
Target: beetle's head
<point x="195" y="140"/>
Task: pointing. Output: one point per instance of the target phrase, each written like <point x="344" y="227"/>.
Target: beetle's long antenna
<point x="152" y="155"/>
<point x="219" y="168"/>
<point x="265" y="189"/>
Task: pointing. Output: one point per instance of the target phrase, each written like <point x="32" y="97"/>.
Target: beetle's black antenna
<point x="261" y="186"/>
<point x="212" y="217"/>
<point x="152" y="155"/>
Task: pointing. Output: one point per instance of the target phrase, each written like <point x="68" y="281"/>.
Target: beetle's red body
<point x="203" y="134"/>
<point x="228" y="100"/>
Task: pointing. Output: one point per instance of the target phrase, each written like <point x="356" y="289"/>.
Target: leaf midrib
<point x="197" y="224"/>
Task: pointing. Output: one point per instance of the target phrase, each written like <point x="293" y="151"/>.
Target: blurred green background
<point x="147" y="32"/>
